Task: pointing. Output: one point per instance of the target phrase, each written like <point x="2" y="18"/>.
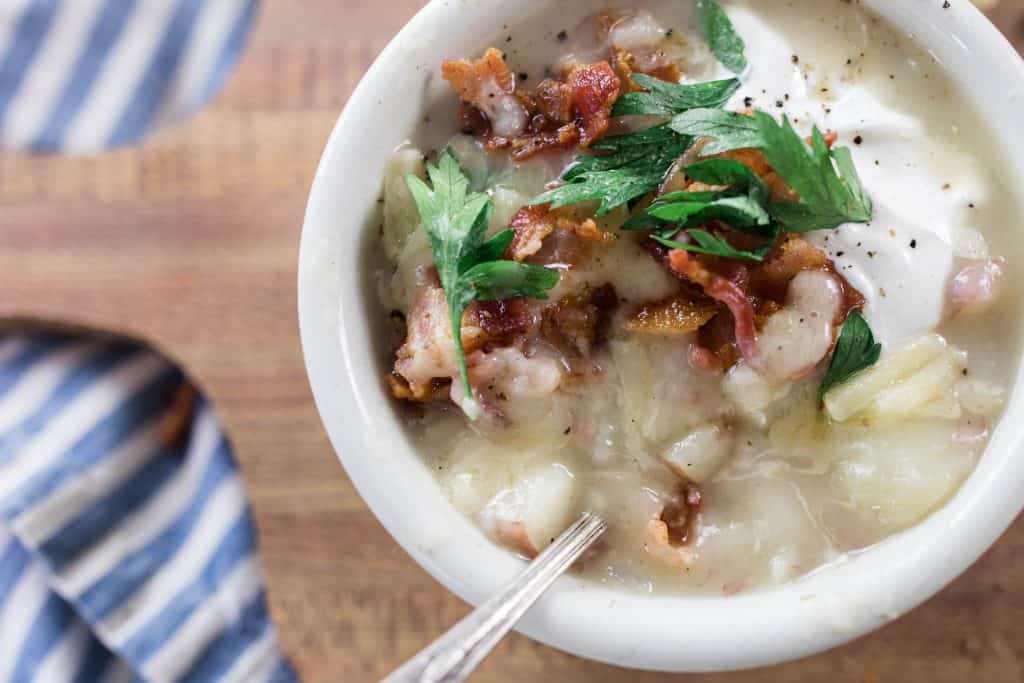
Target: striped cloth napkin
<point x="87" y="75"/>
<point x="127" y="548"/>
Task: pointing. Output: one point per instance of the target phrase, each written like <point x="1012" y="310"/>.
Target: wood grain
<point x="191" y="242"/>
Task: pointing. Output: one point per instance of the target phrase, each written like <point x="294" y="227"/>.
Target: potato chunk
<point x="528" y="516"/>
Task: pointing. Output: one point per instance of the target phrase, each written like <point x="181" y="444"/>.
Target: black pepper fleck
<point x="523" y="76"/>
<point x="779" y="104"/>
<point x="913" y="244"/>
<point x="859" y="140"/>
<point x="946" y="5"/>
<point x="563" y="36"/>
<point x="748" y="101"/>
<point x="796" y="59"/>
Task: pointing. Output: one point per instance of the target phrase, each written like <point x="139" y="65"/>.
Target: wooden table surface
<point x="191" y="242"/>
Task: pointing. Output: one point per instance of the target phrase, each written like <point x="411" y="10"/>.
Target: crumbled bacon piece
<point x="502" y="321"/>
<point x="626" y="64"/>
<point x="428" y="354"/>
<point x="438" y="390"/>
<point x="424" y="356"/>
<point x="533" y="224"/>
<point x="490" y="86"/>
<point x="558" y="116"/>
<point x="669" y="538"/>
<point x="575" y="325"/>
<point x="574" y="111"/>
<point x="564" y="137"/>
<point x="632" y="58"/>
<point x="681" y="514"/>
<point x="680" y="314"/>
<point x="726" y="291"/>
<point x="594" y="89"/>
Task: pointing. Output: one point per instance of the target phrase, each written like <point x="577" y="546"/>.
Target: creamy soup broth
<point x="631" y="427"/>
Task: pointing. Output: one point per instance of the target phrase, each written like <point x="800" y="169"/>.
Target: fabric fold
<point x="127" y="545"/>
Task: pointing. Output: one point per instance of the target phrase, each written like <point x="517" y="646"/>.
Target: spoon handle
<point x="454" y="656"/>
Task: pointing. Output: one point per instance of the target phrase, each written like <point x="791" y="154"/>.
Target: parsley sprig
<point x="632" y="166"/>
<point x="627" y="167"/>
<point x="741" y="204"/>
<point x="828" y="199"/>
<point x="856" y="351"/>
<point x="469" y="268"/>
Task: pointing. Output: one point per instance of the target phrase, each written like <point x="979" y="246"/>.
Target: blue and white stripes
<point x="127" y="549"/>
<point x="85" y="75"/>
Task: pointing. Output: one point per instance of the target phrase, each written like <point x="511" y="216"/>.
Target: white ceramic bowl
<point x="340" y="334"/>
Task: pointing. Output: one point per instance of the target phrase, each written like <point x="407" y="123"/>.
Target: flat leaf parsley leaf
<point x="712" y="245"/>
<point x="827" y="199"/>
<point x="855" y="352"/>
<point x="718" y="30"/>
<point x="469" y="269"/>
<point x="741" y="204"/>
<point x="668" y="99"/>
<point x="729" y="129"/>
<point x="634" y="165"/>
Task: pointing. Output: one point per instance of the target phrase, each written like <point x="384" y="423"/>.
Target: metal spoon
<point x="454" y="656"/>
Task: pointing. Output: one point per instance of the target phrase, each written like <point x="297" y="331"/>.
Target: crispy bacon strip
<point x="724" y="291"/>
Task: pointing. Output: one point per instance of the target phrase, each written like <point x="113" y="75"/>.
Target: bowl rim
<point x="829" y="608"/>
